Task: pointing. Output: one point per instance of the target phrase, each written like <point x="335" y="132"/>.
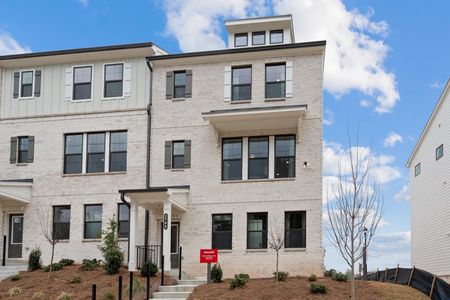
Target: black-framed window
<point x="232" y="159"/>
<point x="258" y="157"/>
<point x="61" y="222"/>
<point x="177" y="154"/>
<point x="417" y="169"/>
<point x="295" y="229"/>
<point x="26" y="84"/>
<point x="123" y="220"/>
<point x="22" y="154"/>
<point x="82" y="83"/>
<point x="179" y="84"/>
<point x="285" y="156"/>
<point x="276" y="80"/>
<point x="222" y="231"/>
<point x="113" y="81"/>
<point x="259" y="38"/>
<point x="73" y="153"/>
<point x="257" y="231"/>
<point x="241" y="39"/>
<point x="118" y="151"/>
<point x="439" y="151"/>
<point x="276" y="37"/>
<point x="242" y="83"/>
<point x="93" y="221"/>
<point x="95" y="162"/>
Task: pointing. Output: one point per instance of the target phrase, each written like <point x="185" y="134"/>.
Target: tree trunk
<point x="51" y="261"/>
<point x="277" y="269"/>
<point x="352" y="278"/>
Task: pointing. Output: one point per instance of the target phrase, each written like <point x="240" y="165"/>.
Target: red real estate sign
<point x="208" y="256"/>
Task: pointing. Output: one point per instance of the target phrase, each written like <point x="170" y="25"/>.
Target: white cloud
<point x="84" y="2"/>
<point x="364" y="103"/>
<point x="436" y="85"/>
<point x="328" y="117"/>
<point x="392" y="139"/>
<point x="403" y="195"/>
<point x="391" y="248"/>
<point x="8" y="45"/>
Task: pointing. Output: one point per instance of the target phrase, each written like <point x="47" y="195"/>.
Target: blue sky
<point x="387" y="62"/>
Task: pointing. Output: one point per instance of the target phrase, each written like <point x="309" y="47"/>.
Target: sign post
<point x="208" y="256"/>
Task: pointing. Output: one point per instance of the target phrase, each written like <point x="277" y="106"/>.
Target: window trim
<point x="86" y="222"/>
<point x="276" y="31"/>
<point x="441" y="146"/>
<point x="265" y="232"/>
<point x="73" y="83"/>
<point x="173" y="155"/>
<point x="242" y="157"/>
<point x="118" y="221"/>
<point x="68" y="206"/>
<point x="110" y="151"/>
<point x="240" y="35"/>
<point x="104" y="97"/>
<point x="65" y="154"/>
<point x="247" y="84"/>
<point x="212" y="230"/>
<point x="275" y="154"/>
<point x="105" y="133"/>
<point x="267" y="158"/>
<point x="32" y="84"/>
<point x="175" y="86"/>
<point x="417" y="169"/>
<point x="259" y="33"/>
<point x="266" y="82"/>
<point x="285" y="228"/>
<point x="19" y="138"/>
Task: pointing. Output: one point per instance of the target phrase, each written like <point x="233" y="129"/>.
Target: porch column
<point x="133" y="237"/>
<point x="167" y="221"/>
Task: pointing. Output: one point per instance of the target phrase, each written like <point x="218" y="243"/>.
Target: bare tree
<point x="276" y="242"/>
<point x="355" y="206"/>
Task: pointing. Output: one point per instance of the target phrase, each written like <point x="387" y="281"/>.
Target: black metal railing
<point x="150" y="253"/>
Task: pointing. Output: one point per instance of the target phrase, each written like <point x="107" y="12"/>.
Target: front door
<point x="174" y="244"/>
<point x="15" y="236"/>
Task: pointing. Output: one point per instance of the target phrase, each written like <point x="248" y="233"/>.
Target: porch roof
<point x="177" y="195"/>
<point x="16" y="190"/>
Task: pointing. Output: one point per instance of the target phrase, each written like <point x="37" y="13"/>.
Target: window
<point x="96" y="153"/>
<point x="242" y="83"/>
<point x="439" y="152"/>
<point x="276" y="36"/>
<point x="417" y="170"/>
<point x="285" y="156"/>
<point x="93" y="221"/>
<point x="61" y="222"/>
<point x="179" y="89"/>
<point x="257" y="231"/>
<point x="232" y="159"/>
<point x="222" y="225"/>
<point x="258" y="157"/>
<point x="82" y="77"/>
<point x="240" y="39"/>
<point x="258" y="38"/>
<point x="118" y="151"/>
<point x="178" y="155"/>
<point x="26" y="85"/>
<point x="123" y="220"/>
<point x="73" y="154"/>
<point x="295" y="229"/>
<point x="113" y="81"/>
<point x="276" y="81"/>
<point x="22" y="156"/>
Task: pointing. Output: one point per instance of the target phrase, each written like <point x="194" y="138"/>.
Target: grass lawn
<point x="38" y="281"/>
<point x="298" y="288"/>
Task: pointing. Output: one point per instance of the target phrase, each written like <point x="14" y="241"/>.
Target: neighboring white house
<point x="429" y="166"/>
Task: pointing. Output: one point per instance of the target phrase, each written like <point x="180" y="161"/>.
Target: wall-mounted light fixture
<point x="305" y="164"/>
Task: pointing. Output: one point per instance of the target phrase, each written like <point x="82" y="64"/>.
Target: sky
<point x="385" y="67"/>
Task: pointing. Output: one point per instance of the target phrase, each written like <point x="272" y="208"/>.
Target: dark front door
<point x="174" y="244"/>
<point x="15" y="236"/>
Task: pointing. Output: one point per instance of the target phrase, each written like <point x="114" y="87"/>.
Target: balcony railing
<point x="150" y="253"/>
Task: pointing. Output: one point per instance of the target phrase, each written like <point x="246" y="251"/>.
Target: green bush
<point x="329" y="273"/>
<point x="64" y="296"/>
<point x="149" y="268"/>
<point x="66" y="262"/>
<point x="15" y="291"/>
<point x="113" y="261"/>
<point x="312" y="278"/>
<point x="112" y="253"/>
<point x="56" y="267"/>
<point x="318" y="288"/>
<point x="340" y="277"/>
<point x="38" y="295"/>
<point x="75" y="279"/>
<point x="34" y="260"/>
<point x="108" y="296"/>
<point x="282" y="276"/>
<point x="239" y="280"/>
<point x="15" y="277"/>
<point x="89" y="264"/>
<point x="216" y="273"/>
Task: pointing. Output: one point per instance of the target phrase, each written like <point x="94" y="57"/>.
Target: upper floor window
<point x="257" y="231"/>
<point x="417" y="169"/>
<point x="96" y="153"/>
<point x="118" y="151"/>
<point x="242" y="83"/>
<point x="275" y="80"/>
<point x="123" y="225"/>
<point x="82" y="83"/>
<point x="285" y="156"/>
<point x="179" y="87"/>
<point x="276" y="36"/>
<point x="26" y="84"/>
<point x="73" y="153"/>
<point x="222" y="231"/>
<point x="258" y="157"/>
<point x="22" y="149"/>
<point x="295" y="229"/>
<point x="178" y="154"/>
<point x="179" y="84"/>
<point x="61" y="222"/>
<point x="439" y="152"/>
<point x="22" y="156"/>
<point x="240" y="39"/>
<point x="259" y="38"/>
<point x="232" y="159"/>
<point x="93" y="221"/>
<point x="113" y="81"/>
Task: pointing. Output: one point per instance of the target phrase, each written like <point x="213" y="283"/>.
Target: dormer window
<point x="240" y="39"/>
<point x="258" y="38"/>
<point x="276" y="36"/>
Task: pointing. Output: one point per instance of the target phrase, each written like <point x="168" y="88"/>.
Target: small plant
<point x="239" y="280"/>
<point x="75" y="279"/>
<point x="15" y="291"/>
<point x="56" y="267"/>
<point x="282" y="276"/>
<point x="108" y="296"/>
<point x="38" y="295"/>
<point x="110" y="249"/>
<point x="64" y="296"/>
<point x="216" y="273"/>
<point x="89" y="264"/>
<point x="340" y="276"/>
<point x="15" y="277"/>
<point x="149" y="268"/>
<point x="66" y="262"/>
<point x="34" y="260"/>
<point x="312" y="278"/>
<point x="329" y="273"/>
<point x="318" y="288"/>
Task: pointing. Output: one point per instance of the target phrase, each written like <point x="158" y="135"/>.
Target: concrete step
<point x="177" y="295"/>
<point x="176" y="288"/>
<point x="191" y="281"/>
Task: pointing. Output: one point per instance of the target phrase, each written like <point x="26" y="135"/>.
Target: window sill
<point x="274" y="99"/>
<point x="81" y="100"/>
<point x="258" y="180"/>
<point x="225" y="251"/>
<point x="93" y="174"/>
<point x="256" y="250"/>
<point x="240" y="101"/>
<point x="26" y="98"/>
<point x="177" y="170"/>
<point x="294" y="249"/>
<point x="64" y="241"/>
<point x="113" y="98"/>
<point x="91" y="240"/>
<point x="178" y="99"/>
<point x="123" y="239"/>
<point x="21" y="164"/>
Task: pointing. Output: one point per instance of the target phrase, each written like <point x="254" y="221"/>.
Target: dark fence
<point x="153" y="253"/>
<point x="429" y="284"/>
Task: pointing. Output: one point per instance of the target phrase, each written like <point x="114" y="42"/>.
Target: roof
<point x="430" y="119"/>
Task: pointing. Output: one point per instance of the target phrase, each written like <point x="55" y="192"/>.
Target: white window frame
<point x="32" y="85"/>
<point x="103" y="80"/>
<point x="12" y="231"/>
<point x="73" y="83"/>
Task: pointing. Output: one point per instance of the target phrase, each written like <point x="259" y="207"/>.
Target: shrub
<point x="66" y="262"/>
<point x="108" y="296"/>
<point x="15" y="291"/>
<point x="56" y="267"/>
<point x="312" y="278"/>
<point x="75" y="279"/>
<point x="149" y="268"/>
<point x="329" y="273"/>
<point x="113" y="261"/>
<point x="340" y="277"/>
<point x="318" y="288"/>
<point x="282" y="276"/>
<point x="89" y="264"/>
<point x="64" y="296"/>
<point x="239" y="280"/>
<point x="112" y="254"/>
<point x="216" y="274"/>
<point x="38" y="295"/>
<point x="34" y="260"/>
<point x="15" y="277"/>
